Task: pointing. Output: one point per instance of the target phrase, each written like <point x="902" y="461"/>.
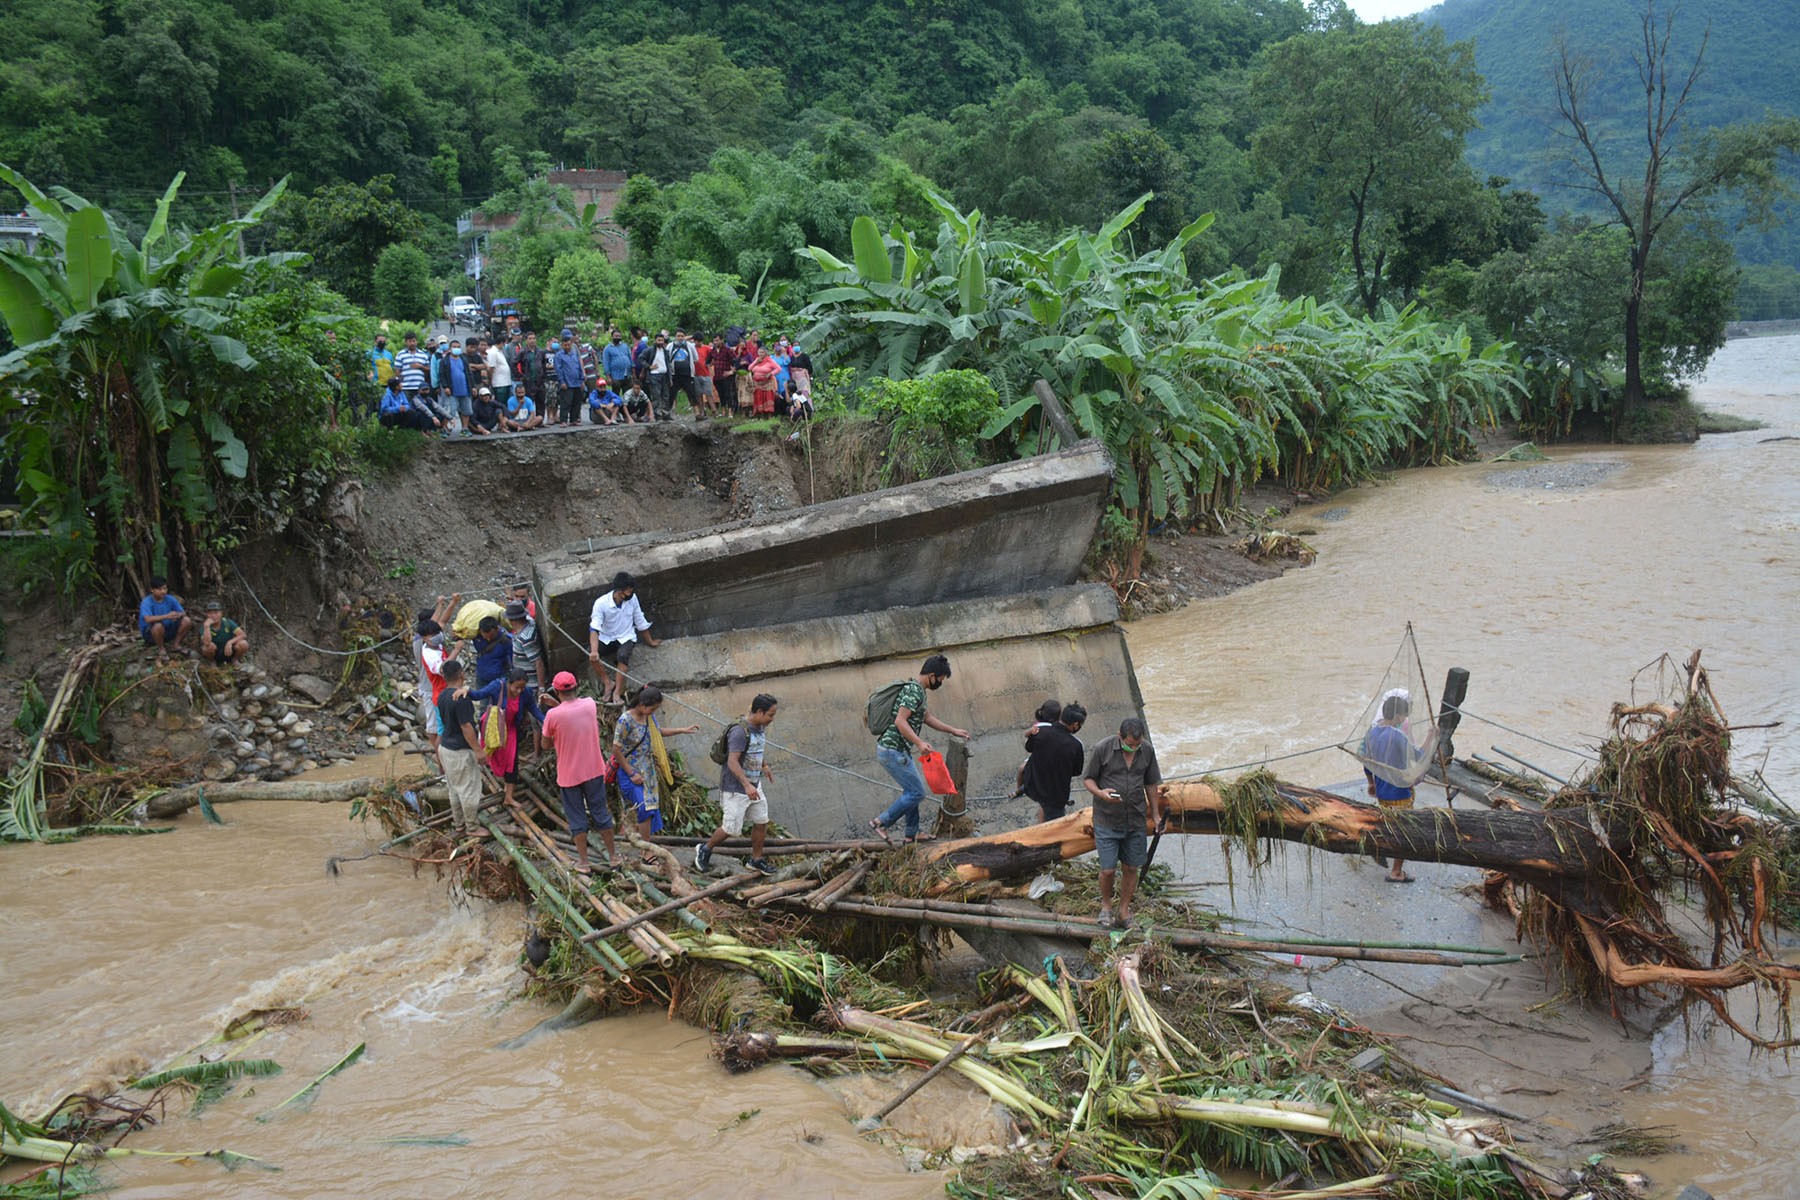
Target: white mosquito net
<point x="1396" y="737"/>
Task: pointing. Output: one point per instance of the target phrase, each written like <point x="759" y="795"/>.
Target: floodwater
<point x="122" y="953"/>
<point x="1553" y="597"/>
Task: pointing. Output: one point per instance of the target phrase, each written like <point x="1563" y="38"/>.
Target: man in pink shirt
<point x="573" y="728"/>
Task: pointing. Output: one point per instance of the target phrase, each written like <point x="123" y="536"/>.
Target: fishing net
<point x="1396" y="737"/>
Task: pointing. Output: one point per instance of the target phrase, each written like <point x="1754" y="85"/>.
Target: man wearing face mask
<point x="1126" y="784"/>
<point x="381" y="362"/>
<point x="899" y="743"/>
<point x="456" y="386"/>
<point x="616" y="359"/>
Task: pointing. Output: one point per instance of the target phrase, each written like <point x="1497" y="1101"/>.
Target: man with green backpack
<point x="895" y="716"/>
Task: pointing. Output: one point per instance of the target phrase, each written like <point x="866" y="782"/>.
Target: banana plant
<point x="110" y="395"/>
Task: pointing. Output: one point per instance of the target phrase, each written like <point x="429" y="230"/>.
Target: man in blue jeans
<point x="899" y="742"/>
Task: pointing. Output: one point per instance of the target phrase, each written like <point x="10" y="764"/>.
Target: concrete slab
<point x="1007" y="656"/>
<point x="1018" y="527"/>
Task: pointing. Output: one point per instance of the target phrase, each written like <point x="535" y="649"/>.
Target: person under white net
<point x="1391" y="762"/>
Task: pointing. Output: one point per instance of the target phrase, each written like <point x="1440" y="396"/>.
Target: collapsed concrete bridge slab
<point x="823" y="605"/>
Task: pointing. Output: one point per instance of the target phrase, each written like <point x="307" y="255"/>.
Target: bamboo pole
<point x="1186" y="939"/>
<point x="614" y="909"/>
<point x="934" y="905"/>
<point x="724" y="885"/>
<point x="604" y="956"/>
<point x="932" y="1072"/>
<point x="760" y="897"/>
<point x="648" y="946"/>
<point x="657" y="895"/>
<point x="821" y="899"/>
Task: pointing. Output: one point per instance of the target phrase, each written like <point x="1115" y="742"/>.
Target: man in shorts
<point x="740" y="786"/>
<point x="573" y="730"/>
<point x="162" y="622"/>
<point x="1123" y="779"/>
<point x="613" y="630"/>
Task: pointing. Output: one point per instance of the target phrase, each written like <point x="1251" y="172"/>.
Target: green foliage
<point x="1195" y="389"/>
<point x="708" y="300"/>
<point x="582" y="283"/>
<point x="403" y="286"/>
<point x="661" y="108"/>
<point x="1365" y="128"/>
<point x="344" y="227"/>
<point x="1753" y="68"/>
<point x="173" y="344"/>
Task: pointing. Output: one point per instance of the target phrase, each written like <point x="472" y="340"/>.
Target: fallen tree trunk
<point x="176" y="801"/>
<point x="1557" y="853"/>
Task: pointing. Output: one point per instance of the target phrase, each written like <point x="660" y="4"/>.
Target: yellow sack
<point x="469" y="617"/>
<point x="493" y="728"/>
<point x="661" y="754"/>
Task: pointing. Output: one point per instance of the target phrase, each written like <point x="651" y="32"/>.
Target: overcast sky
<point x="1380" y="10"/>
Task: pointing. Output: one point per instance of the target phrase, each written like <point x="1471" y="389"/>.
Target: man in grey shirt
<point x="741" y="777"/>
<point x="1123" y="779"/>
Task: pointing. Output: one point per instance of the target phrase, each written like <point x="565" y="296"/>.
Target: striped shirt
<point x="415" y="369"/>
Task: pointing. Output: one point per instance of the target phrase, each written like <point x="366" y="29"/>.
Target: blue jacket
<point x="616" y="359"/>
<point x="493" y="659"/>
<point x="455" y="375"/>
<point x="568" y="368"/>
<point x="394" y="401"/>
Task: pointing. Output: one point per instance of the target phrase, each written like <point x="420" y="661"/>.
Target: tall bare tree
<point x="1683" y="169"/>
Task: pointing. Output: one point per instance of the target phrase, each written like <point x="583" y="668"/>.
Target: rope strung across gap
<point x="1259" y="762"/>
<point x="283" y="630"/>
<point x="1528" y="736"/>
<point x="544" y="610"/>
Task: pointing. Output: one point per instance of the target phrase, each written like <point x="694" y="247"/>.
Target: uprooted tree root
<point x="1675" y="820"/>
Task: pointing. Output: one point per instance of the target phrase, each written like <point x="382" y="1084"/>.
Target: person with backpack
<point x="739" y="753"/>
<point x="682" y="360"/>
<point x="514" y="703"/>
<point x="637" y="742"/>
<point x="896" y="715"/>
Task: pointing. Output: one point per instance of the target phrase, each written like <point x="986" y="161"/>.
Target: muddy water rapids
<point x="1553" y="583"/>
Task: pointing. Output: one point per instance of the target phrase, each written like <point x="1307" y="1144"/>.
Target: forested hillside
<point x="1242" y="237"/>
<point x="1752" y="68"/>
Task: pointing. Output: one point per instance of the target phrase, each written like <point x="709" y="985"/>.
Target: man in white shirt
<point x="613" y="630"/>
<point x="499" y="370"/>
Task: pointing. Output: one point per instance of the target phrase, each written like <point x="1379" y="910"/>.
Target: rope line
<point x="1521" y="733"/>
<point x="849" y="817"/>
<point x="1259" y="762"/>
<point x="283" y="630"/>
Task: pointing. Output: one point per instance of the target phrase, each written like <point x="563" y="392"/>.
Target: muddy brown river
<point x="1553" y="589"/>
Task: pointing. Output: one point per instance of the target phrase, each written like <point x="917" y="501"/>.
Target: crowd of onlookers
<point x="511" y="383"/>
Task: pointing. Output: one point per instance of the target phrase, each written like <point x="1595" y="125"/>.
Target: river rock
<point x="383" y="741"/>
<point x="253" y="710"/>
<point x="369" y="742"/>
<point x="307" y="764"/>
<point x="221" y="735"/>
<point x="296" y="743"/>
<point x="265" y="725"/>
<point x="170" y="722"/>
<point x="300" y="728"/>
<point x="289" y="719"/>
<point x="258" y="691"/>
<point x="312" y="687"/>
<point x="245" y="749"/>
<point x="382" y="727"/>
<point x="219" y="768"/>
<point x="229" y="712"/>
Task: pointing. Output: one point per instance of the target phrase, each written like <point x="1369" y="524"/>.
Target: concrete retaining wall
<point x="1007" y="655"/>
<point x="1018" y="527"/>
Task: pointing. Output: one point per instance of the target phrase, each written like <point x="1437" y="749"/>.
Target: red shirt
<point x="703" y="358"/>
